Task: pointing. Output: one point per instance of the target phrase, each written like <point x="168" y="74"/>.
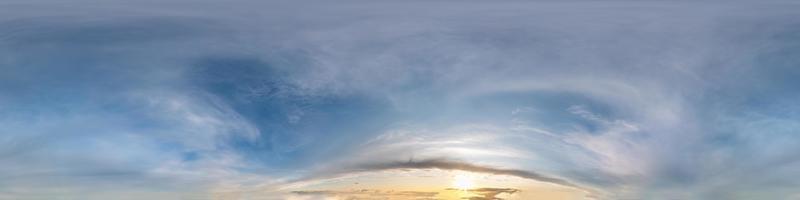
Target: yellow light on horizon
<point x="463" y="182"/>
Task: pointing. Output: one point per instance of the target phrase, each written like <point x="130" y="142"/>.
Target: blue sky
<point x="275" y="99"/>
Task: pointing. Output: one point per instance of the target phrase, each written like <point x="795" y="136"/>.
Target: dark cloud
<point x="370" y="194"/>
<point x="479" y="194"/>
<point x="447" y="164"/>
<point x="458" y="165"/>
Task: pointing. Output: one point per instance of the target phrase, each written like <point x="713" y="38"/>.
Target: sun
<point x="463" y="182"/>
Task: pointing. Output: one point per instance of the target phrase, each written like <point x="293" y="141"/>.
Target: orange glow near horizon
<point x="434" y="184"/>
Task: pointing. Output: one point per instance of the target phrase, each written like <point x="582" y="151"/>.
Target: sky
<point x="406" y="100"/>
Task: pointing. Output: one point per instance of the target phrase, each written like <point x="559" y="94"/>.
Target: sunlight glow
<point x="463" y="182"/>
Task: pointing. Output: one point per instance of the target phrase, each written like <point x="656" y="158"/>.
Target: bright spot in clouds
<point x="463" y="181"/>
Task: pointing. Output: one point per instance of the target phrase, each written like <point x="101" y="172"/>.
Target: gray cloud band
<point x="446" y="164"/>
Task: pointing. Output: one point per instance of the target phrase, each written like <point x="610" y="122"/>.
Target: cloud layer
<point x="179" y="99"/>
<point x="453" y="165"/>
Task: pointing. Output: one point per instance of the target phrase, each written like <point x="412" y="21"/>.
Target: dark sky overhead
<point x="416" y="100"/>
